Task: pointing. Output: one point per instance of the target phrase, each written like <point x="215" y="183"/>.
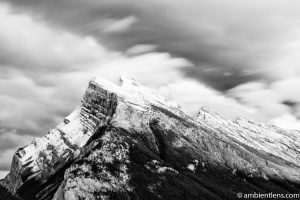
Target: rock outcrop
<point x="126" y="142"/>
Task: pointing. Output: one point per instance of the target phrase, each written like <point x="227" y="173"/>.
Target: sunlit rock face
<point x="126" y="142"/>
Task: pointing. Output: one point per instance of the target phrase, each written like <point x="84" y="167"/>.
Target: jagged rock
<point x="126" y="142"/>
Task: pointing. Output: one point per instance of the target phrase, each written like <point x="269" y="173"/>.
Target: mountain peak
<point x="126" y="142"/>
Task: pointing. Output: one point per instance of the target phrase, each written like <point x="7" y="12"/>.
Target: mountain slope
<point x="126" y="142"/>
<point x="5" y="195"/>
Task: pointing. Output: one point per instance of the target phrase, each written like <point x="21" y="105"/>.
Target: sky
<point x="236" y="57"/>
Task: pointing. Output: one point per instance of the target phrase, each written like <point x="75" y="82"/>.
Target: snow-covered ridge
<point x="134" y="92"/>
<point x="262" y="137"/>
<point x="113" y="121"/>
<point x="62" y="144"/>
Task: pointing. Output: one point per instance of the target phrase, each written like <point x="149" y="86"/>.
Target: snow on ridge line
<point x="134" y="92"/>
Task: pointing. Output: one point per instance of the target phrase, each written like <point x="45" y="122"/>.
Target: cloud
<point x="230" y="42"/>
<point x="46" y="70"/>
<point x="141" y="49"/>
<point x="192" y="95"/>
<point x="113" y="26"/>
<point x="287" y="89"/>
<point x="10" y="141"/>
<point x="277" y="101"/>
<point x="286" y="121"/>
<point x="6" y="159"/>
<point x="3" y="174"/>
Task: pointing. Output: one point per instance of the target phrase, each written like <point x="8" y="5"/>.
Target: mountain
<point x="5" y="195"/>
<point x="126" y="142"/>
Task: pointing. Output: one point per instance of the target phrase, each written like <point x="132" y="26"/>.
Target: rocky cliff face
<point x="125" y="142"/>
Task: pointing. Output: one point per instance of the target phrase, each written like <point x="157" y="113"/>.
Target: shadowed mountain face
<point x="125" y="142"/>
<point x="5" y="195"/>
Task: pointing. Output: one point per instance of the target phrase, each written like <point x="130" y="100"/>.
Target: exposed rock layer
<point x="125" y="142"/>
